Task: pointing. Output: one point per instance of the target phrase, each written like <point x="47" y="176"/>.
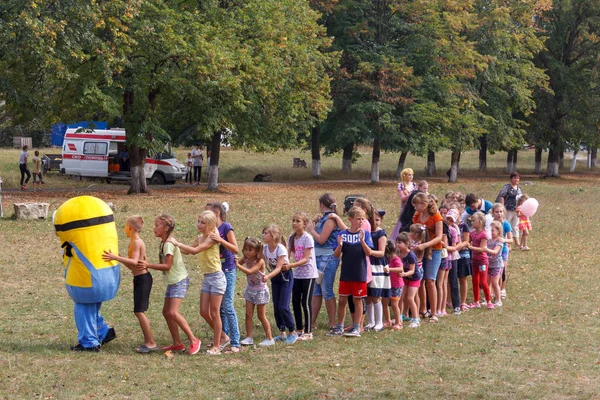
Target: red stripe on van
<point x="158" y="162"/>
<point x="92" y="136"/>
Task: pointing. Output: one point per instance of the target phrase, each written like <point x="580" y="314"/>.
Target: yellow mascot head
<point x="86" y="226"/>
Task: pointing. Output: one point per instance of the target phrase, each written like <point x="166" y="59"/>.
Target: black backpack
<point x="349" y="201"/>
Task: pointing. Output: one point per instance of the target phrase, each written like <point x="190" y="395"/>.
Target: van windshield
<point x="162" y="156"/>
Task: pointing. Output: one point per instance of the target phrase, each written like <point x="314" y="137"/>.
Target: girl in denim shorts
<point x="176" y="276"/>
<point x="214" y="284"/>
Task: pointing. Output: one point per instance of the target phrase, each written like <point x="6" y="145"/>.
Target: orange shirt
<point x="430" y="224"/>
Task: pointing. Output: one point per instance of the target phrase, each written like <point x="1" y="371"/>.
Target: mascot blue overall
<point x="86" y="226"/>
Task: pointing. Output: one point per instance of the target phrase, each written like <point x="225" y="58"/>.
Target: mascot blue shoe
<point x="86" y="226"/>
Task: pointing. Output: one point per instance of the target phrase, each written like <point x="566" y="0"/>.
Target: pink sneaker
<point x="490" y="306"/>
<point x="195" y="347"/>
<point x="475" y="304"/>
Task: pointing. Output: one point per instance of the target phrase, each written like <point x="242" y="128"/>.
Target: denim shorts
<point x="431" y="267"/>
<point x="397" y="293"/>
<point x="178" y="290"/>
<point x="330" y="265"/>
<point x="214" y="283"/>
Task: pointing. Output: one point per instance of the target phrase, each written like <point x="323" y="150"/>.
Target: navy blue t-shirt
<point x="354" y="259"/>
<point x="411" y="258"/>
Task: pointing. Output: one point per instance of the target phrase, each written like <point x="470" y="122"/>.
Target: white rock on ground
<point x="31" y="210"/>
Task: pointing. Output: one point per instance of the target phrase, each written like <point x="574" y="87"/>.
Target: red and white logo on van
<point x="72" y="147"/>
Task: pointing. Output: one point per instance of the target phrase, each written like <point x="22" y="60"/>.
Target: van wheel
<point x="157" y="179"/>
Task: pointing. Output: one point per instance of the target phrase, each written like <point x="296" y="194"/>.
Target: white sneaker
<point x="352" y="333"/>
<point x="247" y="342"/>
<point x="498" y="304"/>
<point x="305" y="337"/>
<point x="267" y="342"/>
<point x="414" y="323"/>
<point x="503" y="293"/>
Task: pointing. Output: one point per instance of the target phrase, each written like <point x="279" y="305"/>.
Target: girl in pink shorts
<point x="412" y="274"/>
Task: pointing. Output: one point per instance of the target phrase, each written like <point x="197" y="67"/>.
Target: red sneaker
<point x="195" y="347"/>
<point x="172" y="347"/>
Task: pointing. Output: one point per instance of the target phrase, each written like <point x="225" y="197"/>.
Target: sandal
<point x="213" y="352"/>
<point x="233" y="350"/>
<point x="397" y="327"/>
<point x="433" y="319"/>
<point x="143" y="349"/>
<point x="223" y="345"/>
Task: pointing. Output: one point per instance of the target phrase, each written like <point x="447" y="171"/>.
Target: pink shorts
<point x="354" y="289"/>
<point x="410" y="283"/>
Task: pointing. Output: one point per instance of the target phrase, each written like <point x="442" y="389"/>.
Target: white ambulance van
<point x="95" y="153"/>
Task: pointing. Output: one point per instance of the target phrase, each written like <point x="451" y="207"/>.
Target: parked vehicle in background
<point x="96" y="153"/>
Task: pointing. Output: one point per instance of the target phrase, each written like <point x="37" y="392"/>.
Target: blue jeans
<point x="431" y="267"/>
<point x="228" y="315"/>
<point x="330" y="265"/>
<point x="91" y="328"/>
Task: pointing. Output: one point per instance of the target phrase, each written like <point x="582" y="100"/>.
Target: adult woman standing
<point x="508" y="196"/>
<point x="23" y="158"/>
<point x="406" y="187"/>
<point x="325" y="232"/>
<point x="426" y="213"/>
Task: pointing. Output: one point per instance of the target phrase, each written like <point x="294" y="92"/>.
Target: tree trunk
<point x="137" y="156"/>
<point x="483" y="154"/>
<point x="573" y="161"/>
<point x="515" y="164"/>
<point x="594" y="157"/>
<point x="453" y="166"/>
<point x="430" y="163"/>
<point x="137" y="159"/>
<point x="213" y="168"/>
<point x="509" y="161"/>
<point x="375" y="161"/>
<point x="401" y="161"/>
<point x="561" y="160"/>
<point x="347" y="158"/>
<point x="537" y="169"/>
<point x="458" y="164"/>
<point x="553" y="162"/>
<point x="316" y="151"/>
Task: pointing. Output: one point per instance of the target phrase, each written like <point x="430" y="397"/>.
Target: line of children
<point x="371" y="267"/>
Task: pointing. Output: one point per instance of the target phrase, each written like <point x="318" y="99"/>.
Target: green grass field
<point x="542" y="344"/>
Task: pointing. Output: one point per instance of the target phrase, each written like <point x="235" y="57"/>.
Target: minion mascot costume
<point x="86" y="226"/>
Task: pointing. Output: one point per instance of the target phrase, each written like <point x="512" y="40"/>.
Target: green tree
<point x="373" y="86"/>
<point x="506" y="34"/>
<point x="565" y="110"/>
<point x="254" y="69"/>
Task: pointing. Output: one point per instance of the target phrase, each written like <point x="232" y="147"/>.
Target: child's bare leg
<point x="146" y="331"/>
<point x="422" y="299"/>
<point x="210" y="305"/>
<point x="396" y="311"/>
<point x="176" y="321"/>
<point x="411" y="294"/>
<point x="216" y="323"/>
<point x="385" y="303"/>
<point x="495" y="280"/>
<point x="249" y="316"/>
<point x="524" y="237"/>
<point x="341" y="311"/>
<point x="261" y="310"/>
